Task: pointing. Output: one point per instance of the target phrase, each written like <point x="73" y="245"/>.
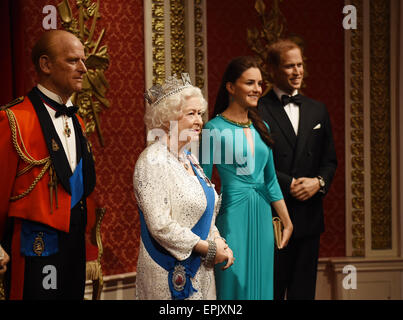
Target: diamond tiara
<point x="172" y="85"/>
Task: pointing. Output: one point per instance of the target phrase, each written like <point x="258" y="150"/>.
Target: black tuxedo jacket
<point x="311" y="153"/>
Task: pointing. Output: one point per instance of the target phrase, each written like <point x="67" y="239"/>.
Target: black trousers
<point x="60" y="276"/>
<point x="68" y="265"/>
<point x="295" y="269"/>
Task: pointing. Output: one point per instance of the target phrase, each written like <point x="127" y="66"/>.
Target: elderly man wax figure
<point x="47" y="172"/>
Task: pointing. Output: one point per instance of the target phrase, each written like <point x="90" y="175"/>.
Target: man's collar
<point x="52" y="95"/>
<point x="280" y="92"/>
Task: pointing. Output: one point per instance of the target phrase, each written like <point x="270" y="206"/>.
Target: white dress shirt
<point x="69" y="143"/>
<point x="291" y="109"/>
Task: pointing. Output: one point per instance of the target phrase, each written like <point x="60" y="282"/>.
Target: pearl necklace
<point x="184" y="159"/>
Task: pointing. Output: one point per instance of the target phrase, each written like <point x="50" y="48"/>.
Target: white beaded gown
<point x="172" y="201"/>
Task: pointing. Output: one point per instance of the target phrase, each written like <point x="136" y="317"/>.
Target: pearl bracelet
<point x="211" y="252"/>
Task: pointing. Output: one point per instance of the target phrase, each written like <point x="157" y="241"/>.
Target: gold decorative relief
<point x="273" y="29"/>
<point x="178" y="50"/>
<point x="158" y="41"/>
<point x="357" y="136"/>
<point x="381" y="215"/>
<point x="92" y="98"/>
<point x="199" y="44"/>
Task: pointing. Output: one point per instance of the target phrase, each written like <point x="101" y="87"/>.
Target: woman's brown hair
<point x="234" y="70"/>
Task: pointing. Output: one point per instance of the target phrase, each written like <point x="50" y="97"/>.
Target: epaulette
<point x="12" y="103"/>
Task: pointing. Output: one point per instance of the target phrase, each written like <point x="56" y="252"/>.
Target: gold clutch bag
<point x="278" y="231"/>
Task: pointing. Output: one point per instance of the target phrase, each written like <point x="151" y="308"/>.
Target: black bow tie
<point x="61" y="109"/>
<point x="293" y="99"/>
<point x="64" y="110"/>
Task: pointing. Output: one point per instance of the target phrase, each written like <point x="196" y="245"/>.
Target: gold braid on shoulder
<point x="25" y="156"/>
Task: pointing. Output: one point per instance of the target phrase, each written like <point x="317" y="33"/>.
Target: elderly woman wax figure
<point x="177" y="203"/>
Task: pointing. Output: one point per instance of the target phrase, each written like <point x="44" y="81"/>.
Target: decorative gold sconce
<point x="273" y="29"/>
<point x="92" y="96"/>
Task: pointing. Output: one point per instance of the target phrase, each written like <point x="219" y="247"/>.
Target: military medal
<point x="39" y="245"/>
<point x="55" y="146"/>
<point x="67" y="130"/>
<point x="179" y="277"/>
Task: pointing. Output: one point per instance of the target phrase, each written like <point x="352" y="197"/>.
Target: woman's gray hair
<point x="171" y="108"/>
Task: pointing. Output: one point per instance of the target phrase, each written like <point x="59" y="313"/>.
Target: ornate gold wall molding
<point x="357" y="135"/>
<point x="158" y="41"/>
<point x="371" y="215"/>
<point x="177" y="29"/>
<point x="200" y="53"/>
<point x="92" y="96"/>
<point x="178" y="41"/>
<point x="381" y="206"/>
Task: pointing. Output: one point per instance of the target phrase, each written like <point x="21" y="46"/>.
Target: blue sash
<point x="77" y="184"/>
<point x="180" y="272"/>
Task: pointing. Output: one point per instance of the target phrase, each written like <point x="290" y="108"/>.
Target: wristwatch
<point x="321" y="184"/>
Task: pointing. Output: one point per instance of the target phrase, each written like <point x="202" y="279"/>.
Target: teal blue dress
<point x="248" y="186"/>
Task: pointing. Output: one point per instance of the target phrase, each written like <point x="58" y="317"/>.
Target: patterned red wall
<point x="124" y="134"/>
<point x="122" y="124"/>
<point x="319" y="23"/>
